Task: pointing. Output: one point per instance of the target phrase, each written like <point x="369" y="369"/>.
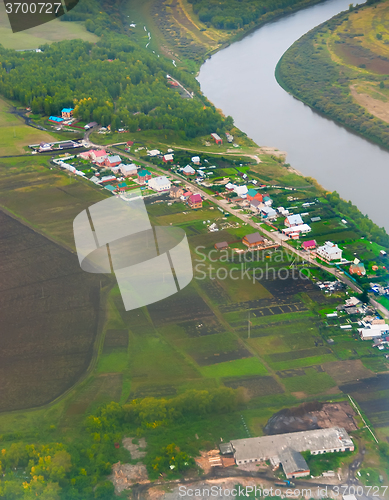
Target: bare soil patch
<point x="362" y="57"/>
<point x="124" y="476"/>
<point x="379" y="109"/>
<point x="136" y="450"/>
<point x="347" y="371"/>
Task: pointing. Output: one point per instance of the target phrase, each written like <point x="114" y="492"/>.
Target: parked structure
<point x="217" y="138"/>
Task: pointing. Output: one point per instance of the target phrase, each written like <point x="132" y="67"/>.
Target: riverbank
<point x="332" y="61"/>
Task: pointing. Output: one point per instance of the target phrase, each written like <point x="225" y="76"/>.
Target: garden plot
<point x="256" y="386"/>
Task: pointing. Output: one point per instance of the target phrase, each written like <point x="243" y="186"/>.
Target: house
<point x="160" y="184"/>
<point x="122" y="186"/>
<point x="373" y="331"/>
<point x="67" y="113"/>
<point x="176" y="192"/>
<point x="188" y="170"/>
<point x="168" y="158"/>
<point x="267" y="200"/>
<point x="97" y="154"/>
<point x="229" y="186"/>
<point x="128" y="170"/>
<point x="357" y="268"/>
<point x="143" y="176"/>
<point x="186" y="195"/>
<point x="112" y="161"/>
<point x="255" y="204"/>
<point x="253" y="194"/>
<point x="296" y="230"/>
<point x="253" y="240"/>
<point x="329" y="251"/>
<point x="309" y="245"/>
<point x="217" y="138"/>
<point x="90" y="125"/>
<point x="44" y="146"/>
<point x="195" y="201"/>
<point x="222" y="245"/>
<point x="293" y="220"/>
<point x="154" y="152"/>
<point x="84" y="155"/>
<point x="268" y="213"/>
<point x="241" y="191"/>
<point x="107" y="178"/>
<point x="196" y="160"/>
<point x="317" y="441"/>
<point x="130" y="143"/>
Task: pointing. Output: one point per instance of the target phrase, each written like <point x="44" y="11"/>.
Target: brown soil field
<point x="347" y="370"/>
<point x="114" y="339"/>
<point x="379" y="109"/>
<point x="50" y="310"/>
<point x="220" y="357"/>
<point x="359" y="56"/>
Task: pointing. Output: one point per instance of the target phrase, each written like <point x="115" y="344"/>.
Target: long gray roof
<point x="266" y="447"/>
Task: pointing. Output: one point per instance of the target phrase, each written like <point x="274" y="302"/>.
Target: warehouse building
<point x="285" y="449"/>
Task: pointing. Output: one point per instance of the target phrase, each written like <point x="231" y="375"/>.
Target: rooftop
<point x="254" y="237"/>
<point x="266" y="447"/>
<point x="292" y="461"/>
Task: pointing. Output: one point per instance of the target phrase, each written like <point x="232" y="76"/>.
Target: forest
<point x="308" y="72"/>
<point x="112" y="82"/>
<point x="235" y="14"/>
<point x="78" y="469"/>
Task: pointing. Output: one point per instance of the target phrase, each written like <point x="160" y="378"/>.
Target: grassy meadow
<point x="53" y="31"/>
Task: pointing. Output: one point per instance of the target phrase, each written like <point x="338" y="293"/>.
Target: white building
<point x="318" y="441"/>
<point x="160" y="183"/>
<point x="241" y="191"/>
<point x="329" y="251"/>
<point x="300" y="229"/>
<point x="128" y="170"/>
<point x="154" y="152"/>
<point x="293" y="220"/>
<point x="373" y="331"/>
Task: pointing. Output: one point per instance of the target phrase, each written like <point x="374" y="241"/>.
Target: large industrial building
<point x="285" y="449"/>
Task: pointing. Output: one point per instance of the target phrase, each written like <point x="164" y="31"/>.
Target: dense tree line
<point x="235" y="14"/>
<point x="78" y="469"/>
<point x="307" y="71"/>
<point x="99" y="15"/>
<point x="112" y="82"/>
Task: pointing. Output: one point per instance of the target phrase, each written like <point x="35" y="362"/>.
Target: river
<point x="240" y="81"/>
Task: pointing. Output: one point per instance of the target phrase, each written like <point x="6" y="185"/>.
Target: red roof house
<point x="195" y="201"/>
<point x="309" y="245"/>
<point x="253" y="194"/>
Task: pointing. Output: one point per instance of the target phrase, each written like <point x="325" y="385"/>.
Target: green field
<point x="15" y="135"/>
<point x="236" y="368"/>
<point x="53" y="31"/>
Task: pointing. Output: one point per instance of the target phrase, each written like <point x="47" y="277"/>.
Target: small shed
<point x="222" y="245"/>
